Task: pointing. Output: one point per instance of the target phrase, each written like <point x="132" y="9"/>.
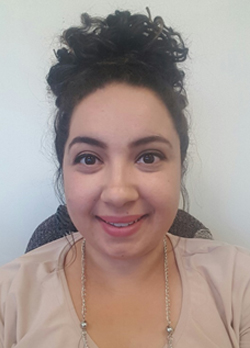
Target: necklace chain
<point x="169" y="328"/>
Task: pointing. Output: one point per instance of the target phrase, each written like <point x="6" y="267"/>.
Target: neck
<point x="116" y="273"/>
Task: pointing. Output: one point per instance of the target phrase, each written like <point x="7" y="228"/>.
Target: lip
<point x="122" y="231"/>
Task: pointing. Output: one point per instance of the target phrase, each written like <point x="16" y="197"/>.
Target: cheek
<point x="81" y="198"/>
<point x="163" y="194"/>
<point x="165" y="199"/>
<point x="163" y="187"/>
<point x="80" y="193"/>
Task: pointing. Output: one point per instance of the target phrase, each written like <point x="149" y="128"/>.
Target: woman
<point x="121" y="140"/>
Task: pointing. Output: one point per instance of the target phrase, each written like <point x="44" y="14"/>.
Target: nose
<point x="119" y="188"/>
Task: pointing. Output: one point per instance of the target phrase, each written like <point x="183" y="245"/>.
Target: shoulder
<point x="31" y="289"/>
<point x="213" y="250"/>
<point x="35" y="265"/>
<point x="223" y="266"/>
<point x="218" y="272"/>
<point x="218" y="277"/>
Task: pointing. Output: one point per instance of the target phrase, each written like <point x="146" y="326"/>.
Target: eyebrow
<point x="133" y="144"/>
<point x="88" y="140"/>
<point x="150" y="139"/>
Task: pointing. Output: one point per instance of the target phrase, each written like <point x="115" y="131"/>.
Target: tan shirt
<point x="36" y="308"/>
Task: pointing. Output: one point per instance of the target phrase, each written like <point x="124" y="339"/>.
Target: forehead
<point x="121" y="111"/>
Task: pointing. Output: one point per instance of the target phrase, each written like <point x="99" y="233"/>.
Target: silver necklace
<point x="169" y="328"/>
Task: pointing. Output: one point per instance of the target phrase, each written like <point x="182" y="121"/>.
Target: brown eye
<point x="87" y="159"/>
<point x="149" y="158"/>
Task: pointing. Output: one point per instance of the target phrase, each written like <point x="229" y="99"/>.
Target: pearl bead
<point x="169" y="330"/>
<point x="83" y="325"/>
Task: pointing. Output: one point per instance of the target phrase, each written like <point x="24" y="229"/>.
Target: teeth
<point x="123" y="224"/>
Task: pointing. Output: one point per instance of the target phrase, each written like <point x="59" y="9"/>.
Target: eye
<point x="150" y="158"/>
<point x="87" y="159"/>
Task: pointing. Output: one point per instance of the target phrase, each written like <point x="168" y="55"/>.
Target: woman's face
<point x="122" y="170"/>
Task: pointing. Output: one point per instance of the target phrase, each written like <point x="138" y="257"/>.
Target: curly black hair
<point x="123" y="47"/>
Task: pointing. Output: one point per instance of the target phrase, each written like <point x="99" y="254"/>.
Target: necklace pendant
<point x="83" y="325"/>
<point x="169" y="330"/>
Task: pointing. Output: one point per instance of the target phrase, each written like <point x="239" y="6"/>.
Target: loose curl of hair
<point x="123" y="47"/>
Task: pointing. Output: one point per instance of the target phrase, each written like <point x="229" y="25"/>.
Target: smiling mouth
<point x="122" y="224"/>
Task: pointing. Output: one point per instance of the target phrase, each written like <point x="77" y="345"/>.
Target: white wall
<point x="218" y="75"/>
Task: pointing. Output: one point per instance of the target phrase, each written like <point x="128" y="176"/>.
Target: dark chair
<point x="59" y="225"/>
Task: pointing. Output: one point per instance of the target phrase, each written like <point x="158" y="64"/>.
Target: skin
<point x="120" y="180"/>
